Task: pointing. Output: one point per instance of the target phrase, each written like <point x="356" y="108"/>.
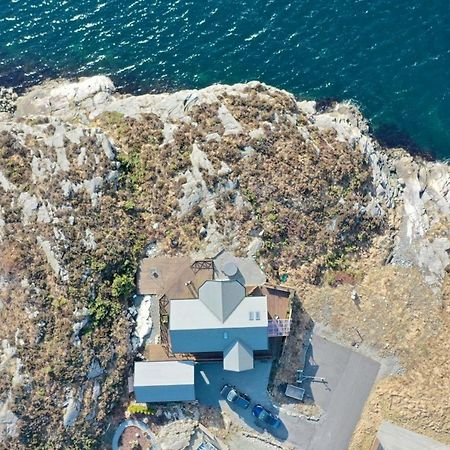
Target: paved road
<point x="347" y="397"/>
<point x="349" y="377"/>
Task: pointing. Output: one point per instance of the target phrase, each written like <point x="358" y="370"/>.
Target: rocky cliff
<point x="91" y="180"/>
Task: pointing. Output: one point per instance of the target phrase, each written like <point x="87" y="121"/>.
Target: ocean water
<point x="390" y="57"/>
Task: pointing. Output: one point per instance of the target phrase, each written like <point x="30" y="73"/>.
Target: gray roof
<point x="217" y="340"/>
<point x="221" y="297"/>
<point x="162" y="394"/>
<point x="192" y="314"/>
<point x="238" y="357"/>
<point x="164" y="381"/>
<point x="248" y="271"/>
<point x="392" y="437"/>
<point x="221" y="316"/>
<point x="163" y="373"/>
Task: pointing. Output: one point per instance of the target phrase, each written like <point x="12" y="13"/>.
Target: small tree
<point x="122" y="286"/>
<point x="103" y="310"/>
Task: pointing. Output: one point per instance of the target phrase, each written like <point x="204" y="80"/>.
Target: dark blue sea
<point x="392" y="57"/>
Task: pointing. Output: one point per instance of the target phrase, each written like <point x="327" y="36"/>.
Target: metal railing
<point x="279" y="327"/>
<point x="207" y="264"/>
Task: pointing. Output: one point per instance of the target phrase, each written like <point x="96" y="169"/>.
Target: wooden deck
<point x="278" y="300"/>
<point x="161" y="352"/>
<point x="169" y="275"/>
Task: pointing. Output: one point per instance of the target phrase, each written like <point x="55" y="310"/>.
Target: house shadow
<point x="210" y="378"/>
<point x="297" y="358"/>
<point x="307" y="377"/>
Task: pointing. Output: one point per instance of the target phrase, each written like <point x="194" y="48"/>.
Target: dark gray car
<point x="232" y="395"/>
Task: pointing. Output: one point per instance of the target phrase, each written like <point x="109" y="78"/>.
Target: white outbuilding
<point x="164" y="381"/>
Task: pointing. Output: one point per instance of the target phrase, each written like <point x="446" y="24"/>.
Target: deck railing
<point x="279" y="327"/>
<point x="207" y="264"/>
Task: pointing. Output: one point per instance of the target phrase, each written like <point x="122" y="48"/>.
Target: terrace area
<point x="177" y="278"/>
<point x="173" y="277"/>
<point x="279" y="308"/>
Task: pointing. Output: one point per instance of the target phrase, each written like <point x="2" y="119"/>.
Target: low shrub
<point x="103" y="310"/>
<point x="122" y="286"/>
<point x="140" y="408"/>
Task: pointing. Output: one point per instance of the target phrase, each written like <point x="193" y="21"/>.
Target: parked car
<point x="266" y="417"/>
<point x="234" y="396"/>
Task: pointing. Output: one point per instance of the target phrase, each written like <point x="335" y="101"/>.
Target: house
<point x="221" y="320"/>
<point x="393" y="437"/>
<point x="164" y="381"/>
<point x="217" y="309"/>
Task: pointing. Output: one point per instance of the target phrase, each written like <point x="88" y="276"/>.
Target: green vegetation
<point x="59" y="302"/>
<point x="336" y="261"/>
<point x="104" y="310"/>
<point x="139" y="408"/>
<point x="97" y="265"/>
<point x="123" y="286"/>
<point x="129" y="206"/>
<point x="113" y="120"/>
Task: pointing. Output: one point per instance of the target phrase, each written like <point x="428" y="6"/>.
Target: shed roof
<point x="163" y="373"/>
<point x="393" y="437"/>
<point x="238" y="357"/>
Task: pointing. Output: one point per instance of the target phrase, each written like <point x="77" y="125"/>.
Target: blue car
<point x="266" y="417"/>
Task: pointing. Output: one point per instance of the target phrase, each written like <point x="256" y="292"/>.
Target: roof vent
<point x="230" y="269"/>
<point x="154" y="273"/>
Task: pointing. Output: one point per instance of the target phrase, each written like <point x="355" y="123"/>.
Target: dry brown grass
<point x="299" y="194"/>
<point x="398" y="315"/>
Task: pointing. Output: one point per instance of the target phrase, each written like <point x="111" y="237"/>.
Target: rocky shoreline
<point x="7" y="100"/>
<point x="419" y="187"/>
<point x="80" y="160"/>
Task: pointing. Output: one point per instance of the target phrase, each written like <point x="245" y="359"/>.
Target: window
<point x="251" y="315"/>
<point x="257" y="315"/>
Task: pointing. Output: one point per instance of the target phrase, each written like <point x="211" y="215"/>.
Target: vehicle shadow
<point x="210" y="379"/>
<point x="281" y="432"/>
